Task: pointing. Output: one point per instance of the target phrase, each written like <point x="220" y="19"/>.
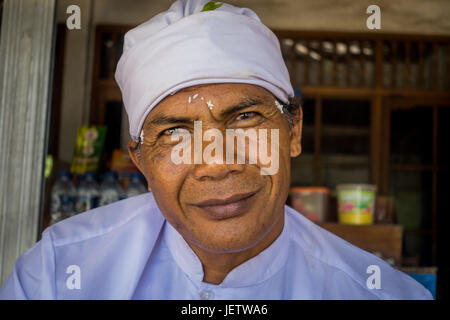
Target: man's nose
<point x="216" y="171"/>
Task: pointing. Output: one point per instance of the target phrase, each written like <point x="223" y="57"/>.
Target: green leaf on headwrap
<point x="211" y="5"/>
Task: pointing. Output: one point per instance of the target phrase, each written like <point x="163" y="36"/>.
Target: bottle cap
<point x="136" y="176"/>
<point x="65" y="173"/>
<point x="90" y="175"/>
<point x="110" y="175"/>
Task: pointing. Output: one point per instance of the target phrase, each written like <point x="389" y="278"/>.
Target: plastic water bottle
<point x="110" y="190"/>
<point x="136" y="186"/>
<point x="63" y="196"/>
<point x="88" y="194"/>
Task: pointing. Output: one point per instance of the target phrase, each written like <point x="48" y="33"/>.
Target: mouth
<point x="229" y="207"/>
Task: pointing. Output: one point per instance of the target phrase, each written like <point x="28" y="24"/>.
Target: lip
<point x="232" y="206"/>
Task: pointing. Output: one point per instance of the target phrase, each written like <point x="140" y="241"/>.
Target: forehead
<point x="189" y="101"/>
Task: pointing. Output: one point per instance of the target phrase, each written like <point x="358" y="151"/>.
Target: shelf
<point x="418" y="231"/>
<point x="328" y="130"/>
<point x="345" y="165"/>
<point x="383" y="238"/>
<point x="415" y="167"/>
<point x="343" y="159"/>
<point x="411" y="167"/>
<point x="332" y="161"/>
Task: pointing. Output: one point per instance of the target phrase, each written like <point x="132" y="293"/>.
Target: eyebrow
<point x="163" y="119"/>
<point x="243" y="104"/>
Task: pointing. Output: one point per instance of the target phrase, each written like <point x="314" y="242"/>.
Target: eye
<point x="173" y="131"/>
<point x="246" y="115"/>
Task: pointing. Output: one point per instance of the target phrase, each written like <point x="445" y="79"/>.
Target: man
<point x="195" y="80"/>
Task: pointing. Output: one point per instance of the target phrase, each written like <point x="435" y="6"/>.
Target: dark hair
<point x="292" y="110"/>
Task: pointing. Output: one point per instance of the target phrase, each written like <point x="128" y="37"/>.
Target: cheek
<point x="277" y="149"/>
<point x="285" y="153"/>
<point x="164" y="177"/>
<point x="166" y="181"/>
<point x="281" y="179"/>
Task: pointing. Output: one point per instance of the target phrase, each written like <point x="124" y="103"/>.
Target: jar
<point x="312" y="202"/>
<point x="356" y="203"/>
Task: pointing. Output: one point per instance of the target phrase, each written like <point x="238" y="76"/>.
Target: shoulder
<point x="351" y="265"/>
<point x="99" y="243"/>
<point x="132" y="213"/>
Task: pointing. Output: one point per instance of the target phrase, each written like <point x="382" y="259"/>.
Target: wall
<point x="400" y="16"/>
<point x="410" y="16"/>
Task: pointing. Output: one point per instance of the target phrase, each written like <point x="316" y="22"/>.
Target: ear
<point x="296" y="133"/>
<point x="136" y="157"/>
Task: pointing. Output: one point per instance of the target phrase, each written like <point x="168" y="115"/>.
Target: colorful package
<point x="88" y="149"/>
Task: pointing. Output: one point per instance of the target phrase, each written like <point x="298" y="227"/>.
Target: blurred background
<point x="375" y="102"/>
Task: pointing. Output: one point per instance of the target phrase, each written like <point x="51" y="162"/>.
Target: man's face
<point x="218" y="207"/>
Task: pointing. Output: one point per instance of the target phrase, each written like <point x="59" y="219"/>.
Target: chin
<point x="231" y="242"/>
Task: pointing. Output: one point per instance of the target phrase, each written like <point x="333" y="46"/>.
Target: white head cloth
<point x="183" y="47"/>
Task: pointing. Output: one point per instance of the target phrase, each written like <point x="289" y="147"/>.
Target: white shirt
<point x="127" y="250"/>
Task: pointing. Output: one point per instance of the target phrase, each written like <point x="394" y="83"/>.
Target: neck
<point x="216" y="266"/>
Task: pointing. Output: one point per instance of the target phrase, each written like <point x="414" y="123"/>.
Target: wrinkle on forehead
<point x="182" y="103"/>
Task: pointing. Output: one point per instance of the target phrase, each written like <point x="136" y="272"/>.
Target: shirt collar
<point x="253" y="271"/>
